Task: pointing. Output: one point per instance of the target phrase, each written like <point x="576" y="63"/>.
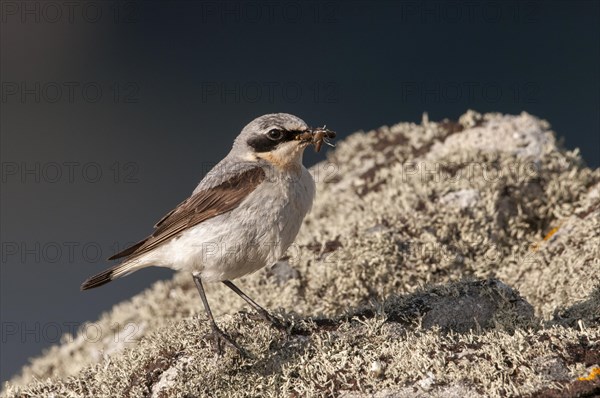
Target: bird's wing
<point x="199" y="207"/>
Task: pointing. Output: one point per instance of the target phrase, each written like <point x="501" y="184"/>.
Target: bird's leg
<point x="218" y="334"/>
<point x="261" y="311"/>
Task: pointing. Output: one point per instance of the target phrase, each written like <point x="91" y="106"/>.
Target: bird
<point x="242" y="216"/>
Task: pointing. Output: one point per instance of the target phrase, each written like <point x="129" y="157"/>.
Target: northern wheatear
<point x="243" y="215"/>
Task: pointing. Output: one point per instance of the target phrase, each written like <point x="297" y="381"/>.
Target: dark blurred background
<point x="112" y="111"/>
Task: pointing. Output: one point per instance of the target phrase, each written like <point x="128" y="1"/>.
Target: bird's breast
<point x="256" y="233"/>
<point x="276" y="209"/>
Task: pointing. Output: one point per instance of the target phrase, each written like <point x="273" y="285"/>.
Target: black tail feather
<point x="98" y="280"/>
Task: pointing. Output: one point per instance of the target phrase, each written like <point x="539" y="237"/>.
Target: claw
<point x="220" y="336"/>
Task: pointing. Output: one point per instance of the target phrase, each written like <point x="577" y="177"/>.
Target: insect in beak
<point x="317" y="137"/>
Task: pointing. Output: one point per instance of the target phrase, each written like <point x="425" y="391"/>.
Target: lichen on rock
<point x="440" y="259"/>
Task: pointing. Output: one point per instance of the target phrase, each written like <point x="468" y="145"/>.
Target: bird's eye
<point x="275" y="134"/>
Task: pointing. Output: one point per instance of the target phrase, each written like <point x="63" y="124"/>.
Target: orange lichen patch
<point x="552" y="232"/>
<point x="536" y="246"/>
<point x="595" y="373"/>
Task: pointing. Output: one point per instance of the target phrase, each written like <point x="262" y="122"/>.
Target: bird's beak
<point x="316" y="136"/>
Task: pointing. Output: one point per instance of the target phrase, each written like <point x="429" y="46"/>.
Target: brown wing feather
<point x="198" y="208"/>
<point x="128" y="251"/>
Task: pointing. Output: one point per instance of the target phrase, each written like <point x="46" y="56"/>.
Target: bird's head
<point x="278" y="138"/>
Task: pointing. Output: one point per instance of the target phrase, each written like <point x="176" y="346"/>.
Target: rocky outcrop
<point x="440" y="259"/>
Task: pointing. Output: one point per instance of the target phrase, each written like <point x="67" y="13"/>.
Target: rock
<point x="465" y="306"/>
<point x="462" y="199"/>
<point x="392" y="286"/>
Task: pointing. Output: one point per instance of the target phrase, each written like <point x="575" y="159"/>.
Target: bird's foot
<point x="273" y="320"/>
<point x="220" y="336"/>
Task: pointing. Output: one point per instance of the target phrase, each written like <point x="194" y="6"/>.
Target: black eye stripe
<point x="288" y="135"/>
<point x="262" y="143"/>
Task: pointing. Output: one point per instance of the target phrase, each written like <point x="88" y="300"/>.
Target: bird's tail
<point x="111" y="274"/>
